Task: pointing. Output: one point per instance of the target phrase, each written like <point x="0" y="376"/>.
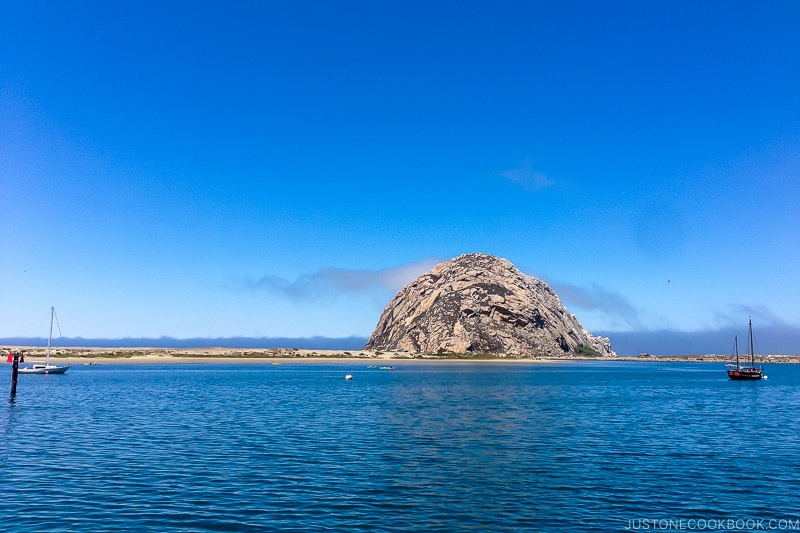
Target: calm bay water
<point x="583" y="446"/>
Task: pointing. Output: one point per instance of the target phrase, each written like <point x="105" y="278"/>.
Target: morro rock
<point x="478" y="303"/>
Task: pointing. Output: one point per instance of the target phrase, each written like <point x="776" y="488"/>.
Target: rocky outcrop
<point x="478" y="303"/>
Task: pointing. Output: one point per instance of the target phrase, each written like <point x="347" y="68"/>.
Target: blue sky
<point x="280" y="169"/>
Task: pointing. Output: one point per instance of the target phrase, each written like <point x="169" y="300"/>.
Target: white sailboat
<point x="46" y="368"/>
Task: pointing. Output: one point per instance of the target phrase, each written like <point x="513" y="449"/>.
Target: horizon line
<point x="318" y="342"/>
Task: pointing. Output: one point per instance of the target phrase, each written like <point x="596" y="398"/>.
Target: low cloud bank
<point x="772" y="339"/>
<point x="306" y="343"/>
<point x="776" y="339"/>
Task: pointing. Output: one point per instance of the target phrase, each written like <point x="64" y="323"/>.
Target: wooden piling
<point x="14" y="373"/>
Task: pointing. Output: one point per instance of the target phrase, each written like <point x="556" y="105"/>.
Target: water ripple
<point x="462" y="447"/>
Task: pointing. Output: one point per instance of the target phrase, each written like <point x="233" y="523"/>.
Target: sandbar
<point x="86" y="355"/>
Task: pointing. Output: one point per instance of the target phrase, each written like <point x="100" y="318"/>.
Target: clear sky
<point x="281" y="169"/>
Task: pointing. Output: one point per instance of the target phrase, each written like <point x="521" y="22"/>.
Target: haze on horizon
<point x="265" y="169"/>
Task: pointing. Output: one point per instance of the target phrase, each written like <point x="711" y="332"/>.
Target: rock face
<point x="482" y="304"/>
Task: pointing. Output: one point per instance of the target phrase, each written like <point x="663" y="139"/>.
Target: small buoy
<point x="766" y="377"/>
<point x="348" y="376"/>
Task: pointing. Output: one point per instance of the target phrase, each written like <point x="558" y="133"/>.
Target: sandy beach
<point x="247" y="355"/>
<point x="85" y="355"/>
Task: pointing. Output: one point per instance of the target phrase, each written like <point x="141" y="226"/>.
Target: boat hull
<point x="42" y="369"/>
<point x="745" y="374"/>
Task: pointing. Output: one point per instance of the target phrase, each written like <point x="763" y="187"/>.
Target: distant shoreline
<point x="293" y="355"/>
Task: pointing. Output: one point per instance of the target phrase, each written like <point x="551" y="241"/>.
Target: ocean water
<point x="579" y="446"/>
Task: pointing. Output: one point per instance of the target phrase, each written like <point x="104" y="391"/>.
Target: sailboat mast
<point x="752" y="351"/>
<point x="736" y="349"/>
<point x="50" y="337"/>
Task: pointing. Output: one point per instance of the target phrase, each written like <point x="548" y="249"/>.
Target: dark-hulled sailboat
<point x="739" y="372"/>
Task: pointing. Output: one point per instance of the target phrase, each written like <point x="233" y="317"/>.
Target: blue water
<point x="583" y="446"/>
